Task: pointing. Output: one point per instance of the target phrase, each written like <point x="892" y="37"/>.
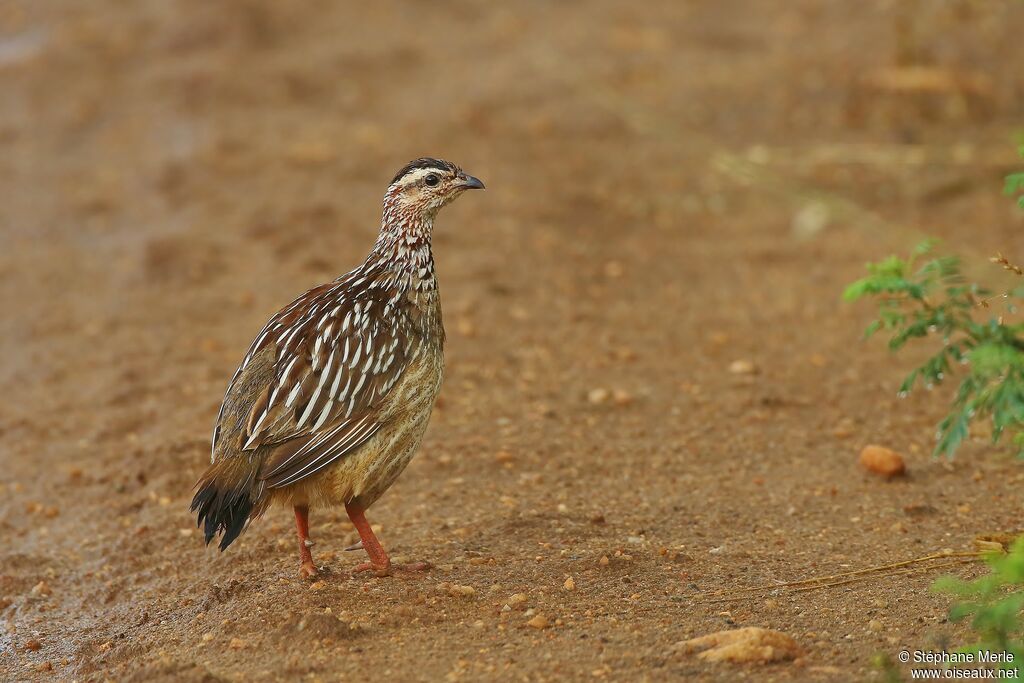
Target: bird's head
<point x="423" y="186"/>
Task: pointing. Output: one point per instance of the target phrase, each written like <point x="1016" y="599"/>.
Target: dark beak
<point x="471" y="183"/>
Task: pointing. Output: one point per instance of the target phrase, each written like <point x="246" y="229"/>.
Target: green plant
<point x="1015" y="184"/>
<point x="924" y="295"/>
<point x="994" y="603"/>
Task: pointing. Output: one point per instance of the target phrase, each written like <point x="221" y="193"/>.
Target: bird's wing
<point x="334" y="359"/>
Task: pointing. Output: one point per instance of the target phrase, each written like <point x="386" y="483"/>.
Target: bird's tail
<point x="227" y="496"/>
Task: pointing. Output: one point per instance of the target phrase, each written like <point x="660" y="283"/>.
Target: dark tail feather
<point x="224" y="504"/>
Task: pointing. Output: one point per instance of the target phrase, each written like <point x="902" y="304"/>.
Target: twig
<point x="850" y="577"/>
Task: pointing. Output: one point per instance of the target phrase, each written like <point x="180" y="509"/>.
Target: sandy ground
<point x="669" y="191"/>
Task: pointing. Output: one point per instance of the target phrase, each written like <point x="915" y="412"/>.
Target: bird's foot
<point x="308" y="570"/>
<point x="389" y="569"/>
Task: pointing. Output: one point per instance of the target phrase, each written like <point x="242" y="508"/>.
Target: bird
<point x="332" y="398"/>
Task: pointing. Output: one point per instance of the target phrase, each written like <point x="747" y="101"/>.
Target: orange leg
<point x="379" y="563"/>
<point x="306" y="568"/>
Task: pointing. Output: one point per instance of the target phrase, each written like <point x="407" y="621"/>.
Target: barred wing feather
<point x="338" y="354"/>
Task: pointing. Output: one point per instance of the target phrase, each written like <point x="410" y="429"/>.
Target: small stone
<point x="516" y="601"/>
<point x="751" y="644"/>
<point x="33" y="645"/>
<point x="207" y="637"/>
<point x="503" y="457"/>
<point x="465" y="327"/>
<point x="598" y="396"/>
<point x="104" y="647"/>
<point x="742" y="367"/>
<point x="570" y="584"/>
<point x="875" y="625"/>
<point x="237" y="644"/>
<point x="317" y="585"/>
<point x="603" y="561"/>
<point x="539" y="622"/>
<point x="882" y="460"/>
<point x="44" y="666"/>
<point x="844" y="429"/>
<point x="41" y="588"/>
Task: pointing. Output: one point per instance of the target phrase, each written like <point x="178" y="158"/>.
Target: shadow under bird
<point x="331" y="401"/>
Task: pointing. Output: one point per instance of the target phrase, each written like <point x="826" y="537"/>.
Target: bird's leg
<point x="380" y="563"/>
<point x="306" y="567"/>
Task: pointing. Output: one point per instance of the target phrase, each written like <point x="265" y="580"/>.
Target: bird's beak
<point x="471" y="183"/>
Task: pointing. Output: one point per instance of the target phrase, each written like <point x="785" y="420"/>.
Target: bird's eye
<point x="432" y="179"/>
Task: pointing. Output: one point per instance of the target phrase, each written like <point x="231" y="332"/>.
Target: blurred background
<point x="647" y="357"/>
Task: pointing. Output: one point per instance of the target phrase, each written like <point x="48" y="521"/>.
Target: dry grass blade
<point x="813" y="583"/>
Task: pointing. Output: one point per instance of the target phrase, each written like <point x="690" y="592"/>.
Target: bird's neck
<point x="403" y="248"/>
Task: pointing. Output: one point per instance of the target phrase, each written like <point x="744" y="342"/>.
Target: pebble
<point x="751" y="644"/>
<point x="33" y="645"/>
<point x="883" y="461"/>
<point x="41" y="588"/>
<point x="236" y="644"/>
<point x="598" y="396"/>
<point x="742" y="367"/>
<point x="539" y="622"/>
<point x="503" y="457"/>
<point x="844" y="429"/>
<point x="207" y="637"/>
<point x="570" y="584"/>
<point x="465" y="327"/>
<point x="516" y="601"/>
<point x="875" y="625"/>
<point x="44" y="666"/>
<point x="603" y="561"/>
